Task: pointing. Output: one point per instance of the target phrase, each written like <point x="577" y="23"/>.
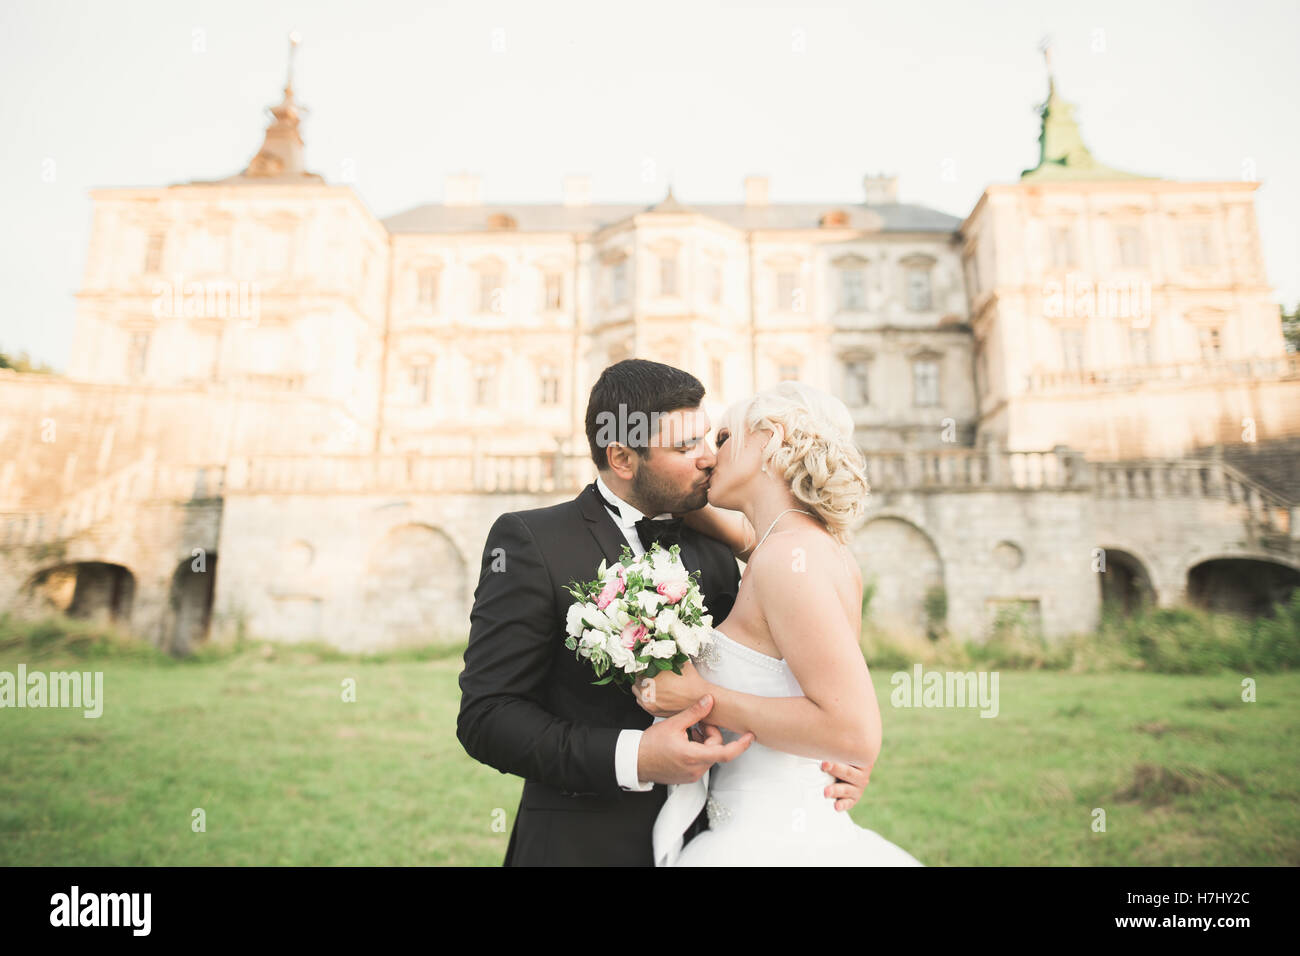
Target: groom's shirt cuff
<point x="625" y="760"/>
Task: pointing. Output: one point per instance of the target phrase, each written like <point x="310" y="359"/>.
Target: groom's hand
<point x="667" y="753"/>
<point x="705" y="733"/>
<point x="850" y="782"/>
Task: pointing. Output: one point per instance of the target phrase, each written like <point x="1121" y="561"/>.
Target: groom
<point x="589" y="755"/>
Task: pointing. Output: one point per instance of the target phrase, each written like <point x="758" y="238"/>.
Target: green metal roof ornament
<point x="1062" y="154"/>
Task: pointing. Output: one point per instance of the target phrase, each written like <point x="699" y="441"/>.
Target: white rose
<point x="666" y="621"/>
<point x="573" y="621"/>
<point x="649" y="602"/>
<point x="668" y="569"/>
<point x="681" y="630"/>
<point x="618" y="654"/>
<point x="595" y="617"/>
<point x="688" y="639"/>
<point x="592" y="638"/>
<point x="661" y="648"/>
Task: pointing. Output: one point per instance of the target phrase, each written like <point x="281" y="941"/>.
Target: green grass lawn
<point x="286" y="772"/>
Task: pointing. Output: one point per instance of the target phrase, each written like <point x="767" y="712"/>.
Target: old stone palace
<point x="288" y="418"/>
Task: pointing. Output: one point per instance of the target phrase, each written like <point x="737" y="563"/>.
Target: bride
<point x="785" y="664"/>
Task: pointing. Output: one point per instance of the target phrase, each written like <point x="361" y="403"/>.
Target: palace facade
<point x="287" y="418"/>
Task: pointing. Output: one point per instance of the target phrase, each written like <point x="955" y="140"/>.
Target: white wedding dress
<point x="765" y="808"/>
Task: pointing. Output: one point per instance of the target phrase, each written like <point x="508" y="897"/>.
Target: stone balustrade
<point x="929" y="471"/>
<point x="1243" y="369"/>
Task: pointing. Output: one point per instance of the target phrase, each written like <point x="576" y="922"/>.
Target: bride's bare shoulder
<point x="804" y="550"/>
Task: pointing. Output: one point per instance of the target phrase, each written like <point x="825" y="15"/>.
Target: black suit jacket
<point x="528" y="705"/>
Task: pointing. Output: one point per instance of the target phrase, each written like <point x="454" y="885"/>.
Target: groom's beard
<point x="658" y="496"/>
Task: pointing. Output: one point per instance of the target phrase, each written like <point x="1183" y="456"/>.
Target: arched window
<point x="925" y="379"/>
<point x="427" y="288"/>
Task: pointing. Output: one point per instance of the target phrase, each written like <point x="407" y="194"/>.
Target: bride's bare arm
<point x="839" y="716"/>
<point x="730" y="527"/>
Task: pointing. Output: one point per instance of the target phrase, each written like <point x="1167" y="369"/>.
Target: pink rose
<point x="673" y="591"/>
<point x="612" y="589"/>
<point x="634" y="632"/>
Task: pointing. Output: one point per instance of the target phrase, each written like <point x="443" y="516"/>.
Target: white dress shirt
<point x="628" y="748"/>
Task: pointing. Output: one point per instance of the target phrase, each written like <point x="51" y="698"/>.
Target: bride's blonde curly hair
<point x="812" y="448"/>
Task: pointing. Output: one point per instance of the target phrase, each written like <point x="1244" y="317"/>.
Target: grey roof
<point x="556" y="217"/>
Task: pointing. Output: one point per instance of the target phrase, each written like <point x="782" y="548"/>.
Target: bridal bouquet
<point x="640" y="616"/>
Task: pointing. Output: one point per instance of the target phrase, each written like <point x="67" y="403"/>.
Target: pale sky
<point x="814" y="95"/>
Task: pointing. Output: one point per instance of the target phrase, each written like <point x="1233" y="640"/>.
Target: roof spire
<point x="669" y="203"/>
<point x="281" y="155"/>
<point x="294" y="40"/>
<point x="1061" y="150"/>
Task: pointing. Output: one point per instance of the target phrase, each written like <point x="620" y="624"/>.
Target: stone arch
<point x="1241" y="584"/>
<point x="1125" y="580"/>
<point x="901" y="563"/>
<point x="93" y="590"/>
<point x="414" y="587"/>
<point x="189" y="603"/>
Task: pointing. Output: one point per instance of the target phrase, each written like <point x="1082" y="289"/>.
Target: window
<point x="788" y="372"/>
<point x="618" y="282"/>
<point x="153" y="253"/>
<point x="925" y="381"/>
<point x="786" y="291"/>
<point x="1210" y="342"/>
<point x="972" y="276"/>
<point x="420" y="383"/>
<point x="428" y="288"/>
<point x="1129" y="247"/>
<point x="715" y="283"/>
<point x="553" y="293"/>
<point x="214" y="245"/>
<point x="853" y="290"/>
<point x="137" y="354"/>
<point x="1198" y="250"/>
<point x="207" y="355"/>
<point x="485" y="384"/>
<point x="550" y="382"/>
<point x="1139" y="346"/>
<point x="918" y="288"/>
<point x="667" y="275"/>
<point x="273" y="254"/>
<point x="856" y="391"/>
<point x="1072" y="349"/>
<point x="1063" y="253"/>
<point x="491" y="293"/>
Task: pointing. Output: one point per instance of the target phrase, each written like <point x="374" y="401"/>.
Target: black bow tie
<point x="667" y="531"/>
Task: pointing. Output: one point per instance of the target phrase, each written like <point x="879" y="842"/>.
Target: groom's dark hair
<point x="640" y="386"/>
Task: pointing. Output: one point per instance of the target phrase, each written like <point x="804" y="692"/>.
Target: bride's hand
<point x="669" y="693"/>
<point x="850" y="782"/>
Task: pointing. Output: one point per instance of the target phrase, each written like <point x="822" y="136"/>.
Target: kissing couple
<point x="754" y="753"/>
